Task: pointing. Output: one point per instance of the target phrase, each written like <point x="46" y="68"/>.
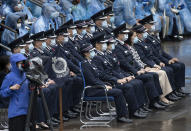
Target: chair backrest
<point x="81" y="71"/>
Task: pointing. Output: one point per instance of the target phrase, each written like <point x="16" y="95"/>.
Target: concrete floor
<point x="175" y="118"/>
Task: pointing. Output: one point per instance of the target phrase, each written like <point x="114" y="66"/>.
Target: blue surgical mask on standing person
<point x="104" y="47"/>
<point x="135" y="40"/>
<point x="92" y="54"/>
<point x="43" y="45"/>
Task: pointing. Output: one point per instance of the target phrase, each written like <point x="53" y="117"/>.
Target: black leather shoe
<point x="147" y="109"/>
<point x="70" y="115"/>
<point x="75" y="110"/>
<point x="65" y="119"/>
<point x="172" y="98"/>
<point x="163" y="103"/>
<point x="54" y="124"/>
<point x="179" y="94"/>
<point x="124" y="120"/>
<point x="158" y="106"/>
<point x="174" y="95"/>
<point x="137" y="114"/>
<point x="143" y="111"/>
<point x="183" y="92"/>
<point x="55" y="120"/>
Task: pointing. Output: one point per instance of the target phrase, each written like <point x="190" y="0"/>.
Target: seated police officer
<point x="91" y="76"/>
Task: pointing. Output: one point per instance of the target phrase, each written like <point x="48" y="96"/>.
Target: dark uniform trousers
<point x="119" y="99"/>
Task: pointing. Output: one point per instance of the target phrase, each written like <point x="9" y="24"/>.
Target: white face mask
<point x="74" y="32"/>
<point x="83" y="32"/>
<point x="31" y="47"/>
<point x="104" y="24"/>
<point x="26" y="22"/>
<point x="104" y="47"/>
<point x="43" y="46"/>
<point x="152" y="28"/>
<point x="125" y="37"/>
<point x="19" y="6"/>
<point x="92" y="29"/>
<point x="53" y="42"/>
<point x="18" y="25"/>
<point x="66" y="39"/>
<point x="113" y="47"/>
<point x="92" y="54"/>
<point x="22" y="51"/>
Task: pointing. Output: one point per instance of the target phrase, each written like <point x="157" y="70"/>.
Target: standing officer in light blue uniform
<point x="45" y="21"/>
<point x="124" y="11"/>
<point x="27" y="11"/>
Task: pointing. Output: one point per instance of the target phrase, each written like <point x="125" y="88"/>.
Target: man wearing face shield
<point x="92" y="78"/>
<point x="46" y="21"/>
<point x="145" y="51"/>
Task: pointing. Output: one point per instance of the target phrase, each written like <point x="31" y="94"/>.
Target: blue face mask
<point x="53" y="42"/>
<point x="22" y="51"/>
<point x="43" y="45"/>
<point x="152" y="28"/>
<point x="74" y="32"/>
<point x="104" y="47"/>
<point x="104" y="24"/>
<point x="112" y="20"/>
<point x="113" y="46"/>
<point x="145" y="35"/>
<point x="135" y="40"/>
<point x="92" y="29"/>
<point x="125" y="37"/>
<point x="66" y="39"/>
<point x="92" y="54"/>
<point x="83" y="32"/>
<point x="31" y="47"/>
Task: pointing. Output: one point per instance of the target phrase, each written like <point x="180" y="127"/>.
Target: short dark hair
<point x="4" y="60"/>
